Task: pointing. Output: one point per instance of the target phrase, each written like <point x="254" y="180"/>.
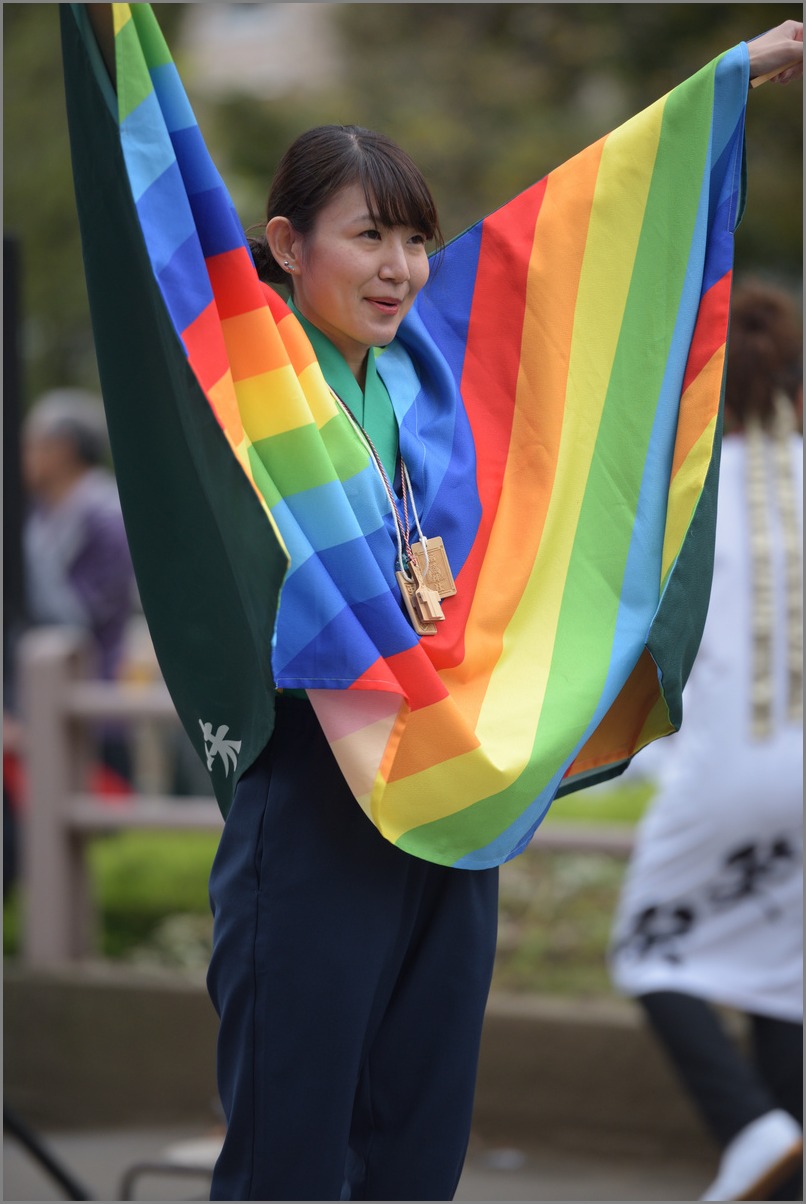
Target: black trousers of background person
<point x="350" y="980"/>
<point x="729" y="1088"/>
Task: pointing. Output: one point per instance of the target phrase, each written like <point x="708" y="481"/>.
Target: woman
<point x="711" y="911"/>
<point x="351" y="975"/>
<point x="400" y="971"/>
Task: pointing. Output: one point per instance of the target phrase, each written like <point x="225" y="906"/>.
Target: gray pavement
<point x="100" y="1159"/>
<point x="574" y="1100"/>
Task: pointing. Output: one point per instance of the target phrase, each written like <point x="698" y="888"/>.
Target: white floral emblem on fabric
<point x="218" y="746"/>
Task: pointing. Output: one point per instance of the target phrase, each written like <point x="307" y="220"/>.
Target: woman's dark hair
<point x="765" y="351"/>
<point x="328" y="158"/>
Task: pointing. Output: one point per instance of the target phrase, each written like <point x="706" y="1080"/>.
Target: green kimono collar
<point x="372" y="408"/>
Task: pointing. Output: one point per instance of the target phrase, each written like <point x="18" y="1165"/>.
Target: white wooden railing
<point x="59" y="814"/>
<point x="60" y="704"/>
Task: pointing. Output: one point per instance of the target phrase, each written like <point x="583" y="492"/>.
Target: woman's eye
<point x="419" y="240"/>
<point x="370" y="234"/>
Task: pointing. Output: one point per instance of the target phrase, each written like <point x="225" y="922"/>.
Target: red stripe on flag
<point x="236" y="286"/>
<point x="204" y="341"/>
<point x="712" y="323"/>
<point x="276" y="304"/>
<point x="407" y="673"/>
<point x="489" y="383"/>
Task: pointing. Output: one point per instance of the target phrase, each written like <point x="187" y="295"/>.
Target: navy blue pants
<point x="350" y="980"/>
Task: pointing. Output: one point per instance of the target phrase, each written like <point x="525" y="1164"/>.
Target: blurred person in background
<point x="78" y="571"/>
<point x="711" y="908"/>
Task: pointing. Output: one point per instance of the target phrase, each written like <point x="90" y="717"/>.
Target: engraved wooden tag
<point x="440" y="577"/>
<point x="408" y="590"/>
<point x="428" y="604"/>
<point x="426" y="599"/>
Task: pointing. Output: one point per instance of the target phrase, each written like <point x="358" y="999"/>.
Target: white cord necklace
<point x="422" y="585"/>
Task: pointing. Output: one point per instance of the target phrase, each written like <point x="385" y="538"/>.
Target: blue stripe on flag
<point x="165" y="217"/>
<point x="146" y="146"/>
<point x="172" y="97"/>
<point x="185" y="284"/>
<point x="198" y="170"/>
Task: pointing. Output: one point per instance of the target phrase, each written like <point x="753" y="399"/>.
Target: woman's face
<point x="356" y="280"/>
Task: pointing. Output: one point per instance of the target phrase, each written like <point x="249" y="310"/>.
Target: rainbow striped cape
<point x="557" y="390"/>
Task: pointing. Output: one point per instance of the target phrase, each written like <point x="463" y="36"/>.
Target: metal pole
<point x="43" y="1155"/>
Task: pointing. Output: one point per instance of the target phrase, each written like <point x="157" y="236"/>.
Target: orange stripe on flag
<point x="252" y="343"/>
<point x="432" y="737"/>
<point x="697" y="408"/>
<point x="297" y="343"/>
<point x="617" y="736"/>
<point x="534" y="446"/>
<point x="222" y="398"/>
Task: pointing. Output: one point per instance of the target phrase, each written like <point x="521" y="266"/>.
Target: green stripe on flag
<point x="344" y="447"/>
<point x="155" y="48"/>
<point x="134" y="81"/>
<point x="607" y="517"/>
<point x="262" y="479"/>
<point x="295" y="460"/>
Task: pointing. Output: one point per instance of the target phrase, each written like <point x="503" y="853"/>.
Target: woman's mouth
<point x="385" y="305"/>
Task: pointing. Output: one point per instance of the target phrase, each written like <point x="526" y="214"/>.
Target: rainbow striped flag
<point x="557" y="389"/>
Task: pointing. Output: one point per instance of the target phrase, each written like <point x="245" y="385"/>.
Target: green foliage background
<point x="486" y="97"/>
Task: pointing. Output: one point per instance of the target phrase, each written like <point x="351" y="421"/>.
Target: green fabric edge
<point x="676" y="630"/>
<point x="210" y="604"/>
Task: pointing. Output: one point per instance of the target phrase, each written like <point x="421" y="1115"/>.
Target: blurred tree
<point x="486" y="97"/>
<point x="489" y="97"/>
<point x="39" y="204"/>
<point x="38" y="199"/>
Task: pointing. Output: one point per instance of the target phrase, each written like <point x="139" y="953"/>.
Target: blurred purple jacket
<point x="78" y="568"/>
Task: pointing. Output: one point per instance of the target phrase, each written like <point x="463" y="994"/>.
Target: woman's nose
<point x="395" y="263"/>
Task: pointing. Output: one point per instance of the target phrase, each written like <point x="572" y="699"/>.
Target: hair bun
<point x="267" y="267"/>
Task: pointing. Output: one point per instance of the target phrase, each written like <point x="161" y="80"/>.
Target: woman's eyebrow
<point x="376" y="221"/>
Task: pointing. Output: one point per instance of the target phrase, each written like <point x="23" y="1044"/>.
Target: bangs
<point x="396" y="193"/>
<point x="328" y="158"/>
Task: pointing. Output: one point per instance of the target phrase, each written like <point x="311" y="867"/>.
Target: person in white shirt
<point x="711" y="908"/>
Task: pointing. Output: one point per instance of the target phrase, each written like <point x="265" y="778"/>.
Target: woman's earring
<point x="286" y="264"/>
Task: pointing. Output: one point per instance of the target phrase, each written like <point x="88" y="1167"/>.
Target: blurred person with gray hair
<point x="78" y="570"/>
